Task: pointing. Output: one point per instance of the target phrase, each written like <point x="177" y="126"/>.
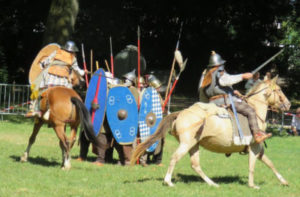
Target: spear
<point x="106" y="64"/>
<point x="139" y="72"/>
<point x="91" y="61"/>
<point x="266" y="62"/>
<point x="182" y="67"/>
<point x="95" y="105"/>
<point x="84" y="65"/>
<point x="139" y="62"/>
<point x="173" y="64"/>
<point x="111" y="57"/>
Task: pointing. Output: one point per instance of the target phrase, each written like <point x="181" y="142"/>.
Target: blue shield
<point x="122" y="114"/>
<point x="96" y="102"/>
<point x="150" y="115"/>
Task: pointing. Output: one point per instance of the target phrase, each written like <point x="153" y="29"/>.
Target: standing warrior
<point x="57" y="68"/>
<point x="217" y="84"/>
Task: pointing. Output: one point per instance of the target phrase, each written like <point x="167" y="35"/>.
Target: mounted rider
<point x="56" y="70"/>
<point x="217" y="84"/>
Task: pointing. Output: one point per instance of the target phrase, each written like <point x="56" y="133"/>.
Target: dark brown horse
<point x="66" y="107"/>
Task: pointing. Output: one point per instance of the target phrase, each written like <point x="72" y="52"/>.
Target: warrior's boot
<point x="33" y="112"/>
<point x="260" y="136"/>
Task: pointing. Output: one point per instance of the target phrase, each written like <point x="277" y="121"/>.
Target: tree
<point x="61" y="21"/>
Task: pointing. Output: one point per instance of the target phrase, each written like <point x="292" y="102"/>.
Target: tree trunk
<point x="61" y="21"/>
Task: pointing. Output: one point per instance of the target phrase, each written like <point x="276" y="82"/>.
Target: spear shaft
<point x="111" y="57"/>
<point x="84" y="65"/>
<point x="139" y="60"/>
<point x="266" y="62"/>
<point x="173" y="63"/>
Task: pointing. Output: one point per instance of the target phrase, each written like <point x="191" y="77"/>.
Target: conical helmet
<point x="142" y="81"/>
<point x="70" y="46"/>
<point x="215" y="59"/>
<point x="130" y="76"/>
<point x="153" y="81"/>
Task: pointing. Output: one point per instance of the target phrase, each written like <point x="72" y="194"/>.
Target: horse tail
<point x="85" y="120"/>
<point x="160" y="132"/>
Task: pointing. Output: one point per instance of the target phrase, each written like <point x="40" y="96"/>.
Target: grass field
<point x="42" y="176"/>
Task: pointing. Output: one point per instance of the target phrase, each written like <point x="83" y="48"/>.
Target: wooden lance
<point x="174" y="84"/>
<point x="111" y="57"/>
<point x="173" y="63"/>
<point x="139" y="63"/>
<point x="95" y="100"/>
<point x="84" y="65"/>
<point x="91" y="61"/>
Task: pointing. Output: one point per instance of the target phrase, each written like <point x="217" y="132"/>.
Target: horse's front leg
<point x="269" y="163"/>
<point x="37" y="126"/>
<point x="254" y="151"/>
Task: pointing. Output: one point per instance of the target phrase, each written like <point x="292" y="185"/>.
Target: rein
<point x="263" y="102"/>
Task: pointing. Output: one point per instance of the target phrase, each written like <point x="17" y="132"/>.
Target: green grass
<point x="42" y="176"/>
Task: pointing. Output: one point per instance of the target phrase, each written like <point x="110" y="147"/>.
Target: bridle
<point x="274" y="91"/>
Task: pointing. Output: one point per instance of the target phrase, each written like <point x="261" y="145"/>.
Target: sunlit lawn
<point x="42" y="176"/>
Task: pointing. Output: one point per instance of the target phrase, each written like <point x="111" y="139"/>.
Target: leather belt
<point x="218" y="97"/>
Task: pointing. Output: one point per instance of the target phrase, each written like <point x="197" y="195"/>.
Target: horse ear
<point x="274" y="80"/>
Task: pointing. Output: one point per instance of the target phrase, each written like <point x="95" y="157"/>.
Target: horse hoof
<point x="285" y="183"/>
<point x="215" y="185"/>
<point x="23" y="159"/>
<point x="254" y="187"/>
<point x="170" y="184"/>
<point x="65" y="168"/>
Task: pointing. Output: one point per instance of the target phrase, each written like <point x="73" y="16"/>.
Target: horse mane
<point x="254" y="88"/>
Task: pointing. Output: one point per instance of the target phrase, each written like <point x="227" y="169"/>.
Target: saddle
<point x="222" y="112"/>
<point x="244" y="123"/>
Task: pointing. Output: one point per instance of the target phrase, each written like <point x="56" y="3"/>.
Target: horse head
<point x="270" y="93"/>
<point x="76" y="79"/>
<point x="275" y="97"/>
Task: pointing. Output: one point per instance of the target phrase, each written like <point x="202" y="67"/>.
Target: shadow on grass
<point x="37" y="161"/>
<point x="218" y="180"/>
<point x="143" y="180"/>
<point x="94" y="158"/>
<point x="195" y="178"/>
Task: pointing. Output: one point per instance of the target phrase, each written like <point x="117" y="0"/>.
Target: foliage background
<point x="245" y="33"/>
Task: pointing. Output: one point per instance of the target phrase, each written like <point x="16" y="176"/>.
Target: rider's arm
<point x="76" y="67"/>
<point x="48" y="60"/>
<point x="228" y="80"/>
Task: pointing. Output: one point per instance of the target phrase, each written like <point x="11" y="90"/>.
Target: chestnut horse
<point x="194" y="126"/>
<point x="66" y="107"/>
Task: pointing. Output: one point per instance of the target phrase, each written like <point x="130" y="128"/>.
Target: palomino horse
<point x="66" y="107"/>
<point x="195" y="127"/>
